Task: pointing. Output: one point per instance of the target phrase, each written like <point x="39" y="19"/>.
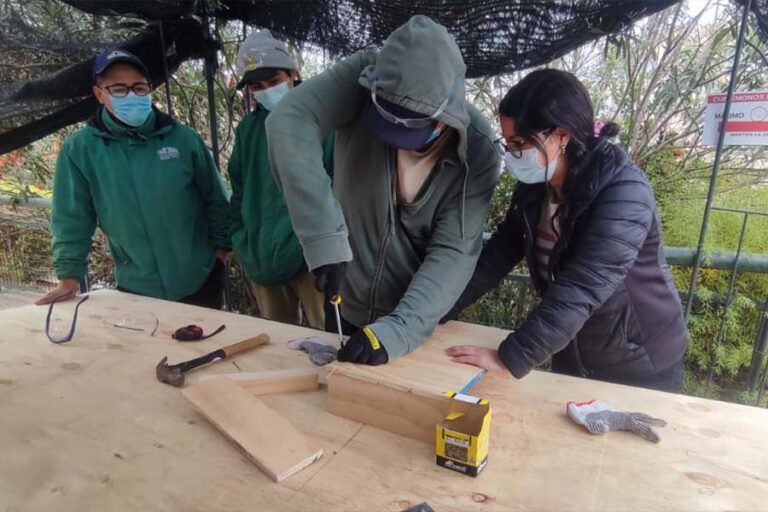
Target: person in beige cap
<point x="262" y="235"/>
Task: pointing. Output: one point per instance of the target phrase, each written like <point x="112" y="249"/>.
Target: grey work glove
<point x="599" y="418"/>
<point x="320" y="352"/>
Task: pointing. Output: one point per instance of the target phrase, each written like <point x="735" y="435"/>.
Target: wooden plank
<point x="428" y="368"/>
<point x="269" y="439"/>
<point x="408" y="413"/>
<point x="272" y="382"/>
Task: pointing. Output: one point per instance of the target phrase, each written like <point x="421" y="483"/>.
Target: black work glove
<point x="365" y="348"/>
<point x="328" y="278"/>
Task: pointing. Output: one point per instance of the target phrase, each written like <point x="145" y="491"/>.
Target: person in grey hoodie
<point x="415" y="165"/>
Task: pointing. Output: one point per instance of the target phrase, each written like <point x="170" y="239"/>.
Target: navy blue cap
<point x="396" y="135"/>
<point x="110" y="57"/>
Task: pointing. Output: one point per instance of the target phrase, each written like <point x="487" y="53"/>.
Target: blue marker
<point x="474" y="380"/>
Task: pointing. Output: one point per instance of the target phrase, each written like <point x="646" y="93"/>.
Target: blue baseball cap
<point x="110" y="57"/>
<point x="393" y="134"/>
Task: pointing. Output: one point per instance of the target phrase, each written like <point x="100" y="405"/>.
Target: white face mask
<point x="527" y="168"/>
<point x="269" y="98"/>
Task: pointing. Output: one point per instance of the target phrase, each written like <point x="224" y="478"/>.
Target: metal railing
<point x="761" y="337"/>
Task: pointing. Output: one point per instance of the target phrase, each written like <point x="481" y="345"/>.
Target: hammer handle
<point x="242" y="346"/>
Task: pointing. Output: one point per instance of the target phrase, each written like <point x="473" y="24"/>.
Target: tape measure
<point x="194" y="333"/>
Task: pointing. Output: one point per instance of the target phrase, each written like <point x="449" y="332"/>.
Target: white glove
<point x="598" y="418"/>
<point x="320" y="352"/>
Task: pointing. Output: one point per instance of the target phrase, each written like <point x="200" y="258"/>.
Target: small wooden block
<point x="278" y="381"/>
<point x="269" y="439"/>
<point x="405" y="412"/>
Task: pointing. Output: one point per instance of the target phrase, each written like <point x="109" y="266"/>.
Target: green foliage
<point x="505" y="307"/>
<point x="25" y="256"/>
<point x="720" y="339"/>
<point x="500" y="202"/>
<point x="239" y="294"/>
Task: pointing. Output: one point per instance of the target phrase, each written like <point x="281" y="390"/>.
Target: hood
<point x="418" y="67"/>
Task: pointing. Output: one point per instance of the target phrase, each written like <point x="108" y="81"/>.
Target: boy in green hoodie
<point x="415" y="166"/>
<point x="150" y="184"/>
<point x="262" y="235"/>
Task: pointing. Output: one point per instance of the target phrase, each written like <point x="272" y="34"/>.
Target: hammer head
<point x="169" y="374"/>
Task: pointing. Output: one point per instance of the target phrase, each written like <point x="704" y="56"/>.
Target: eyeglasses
<point x="420" y="122"/>
<point x="71" y="332"/>
<point x="122" y="90"/>
<point x="515" y="148"/>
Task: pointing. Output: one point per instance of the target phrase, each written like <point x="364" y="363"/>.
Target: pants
<point x="284" y="303"/>
<point x="210" y="294"/>
<point x="670" y="380"/>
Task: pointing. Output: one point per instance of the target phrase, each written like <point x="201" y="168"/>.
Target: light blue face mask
<point x="527" y="168"/>
<point x="132" y="109"/>
<point x="269" y="98"/>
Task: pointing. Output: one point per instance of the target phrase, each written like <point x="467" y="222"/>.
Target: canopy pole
<point x="716" y="165"/>
<point x="168" y="100"/>
<point x="210" y="69"/>
<point x="246" y="91"/>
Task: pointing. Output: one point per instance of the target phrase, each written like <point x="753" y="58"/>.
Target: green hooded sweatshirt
<point x="262" y="235"/>
<point x="154" y="191"/>
<point x="409" y="262"/>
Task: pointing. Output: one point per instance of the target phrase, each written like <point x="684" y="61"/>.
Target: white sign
<point x="747" y="121"/>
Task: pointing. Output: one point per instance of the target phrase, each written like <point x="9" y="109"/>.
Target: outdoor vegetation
<point x="652" y="79"/>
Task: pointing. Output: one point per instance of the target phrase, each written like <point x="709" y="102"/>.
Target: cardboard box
<point x="462" y="438"/>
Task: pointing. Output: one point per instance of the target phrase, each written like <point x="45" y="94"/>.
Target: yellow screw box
<point x="462" y="438"/>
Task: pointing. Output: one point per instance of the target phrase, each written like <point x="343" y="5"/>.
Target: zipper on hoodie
<point x="144" y="222"/>
<point x="384" y="241"/>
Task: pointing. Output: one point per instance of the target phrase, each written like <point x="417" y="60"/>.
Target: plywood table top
<point x="86" y="426"/>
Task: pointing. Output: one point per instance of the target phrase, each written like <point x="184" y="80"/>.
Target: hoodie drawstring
<point x="464" y="198"/>
<point x="391" y="185"/>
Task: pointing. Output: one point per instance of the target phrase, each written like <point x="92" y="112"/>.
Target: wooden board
<point x="86" y="426"/>
<point x="428" y="368"/>
<point x="277" y="381"/>
<point x="408" y="413"/>
<point x="269" y="439"/>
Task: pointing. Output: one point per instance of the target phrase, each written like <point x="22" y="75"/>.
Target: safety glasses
<point x="71" y="332"/>
<point x="420" y="122"/>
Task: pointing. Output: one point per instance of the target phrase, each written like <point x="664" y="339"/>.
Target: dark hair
<point x="248" y="77"/>
<point x="550" y="98"/>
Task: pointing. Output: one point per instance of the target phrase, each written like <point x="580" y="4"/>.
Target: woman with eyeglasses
<point x="583" y="218"/>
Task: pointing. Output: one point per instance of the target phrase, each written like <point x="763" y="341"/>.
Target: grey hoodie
<point x="408" y="262"/>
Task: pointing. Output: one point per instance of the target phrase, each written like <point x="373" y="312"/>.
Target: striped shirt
<point x="546" y="236"/>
